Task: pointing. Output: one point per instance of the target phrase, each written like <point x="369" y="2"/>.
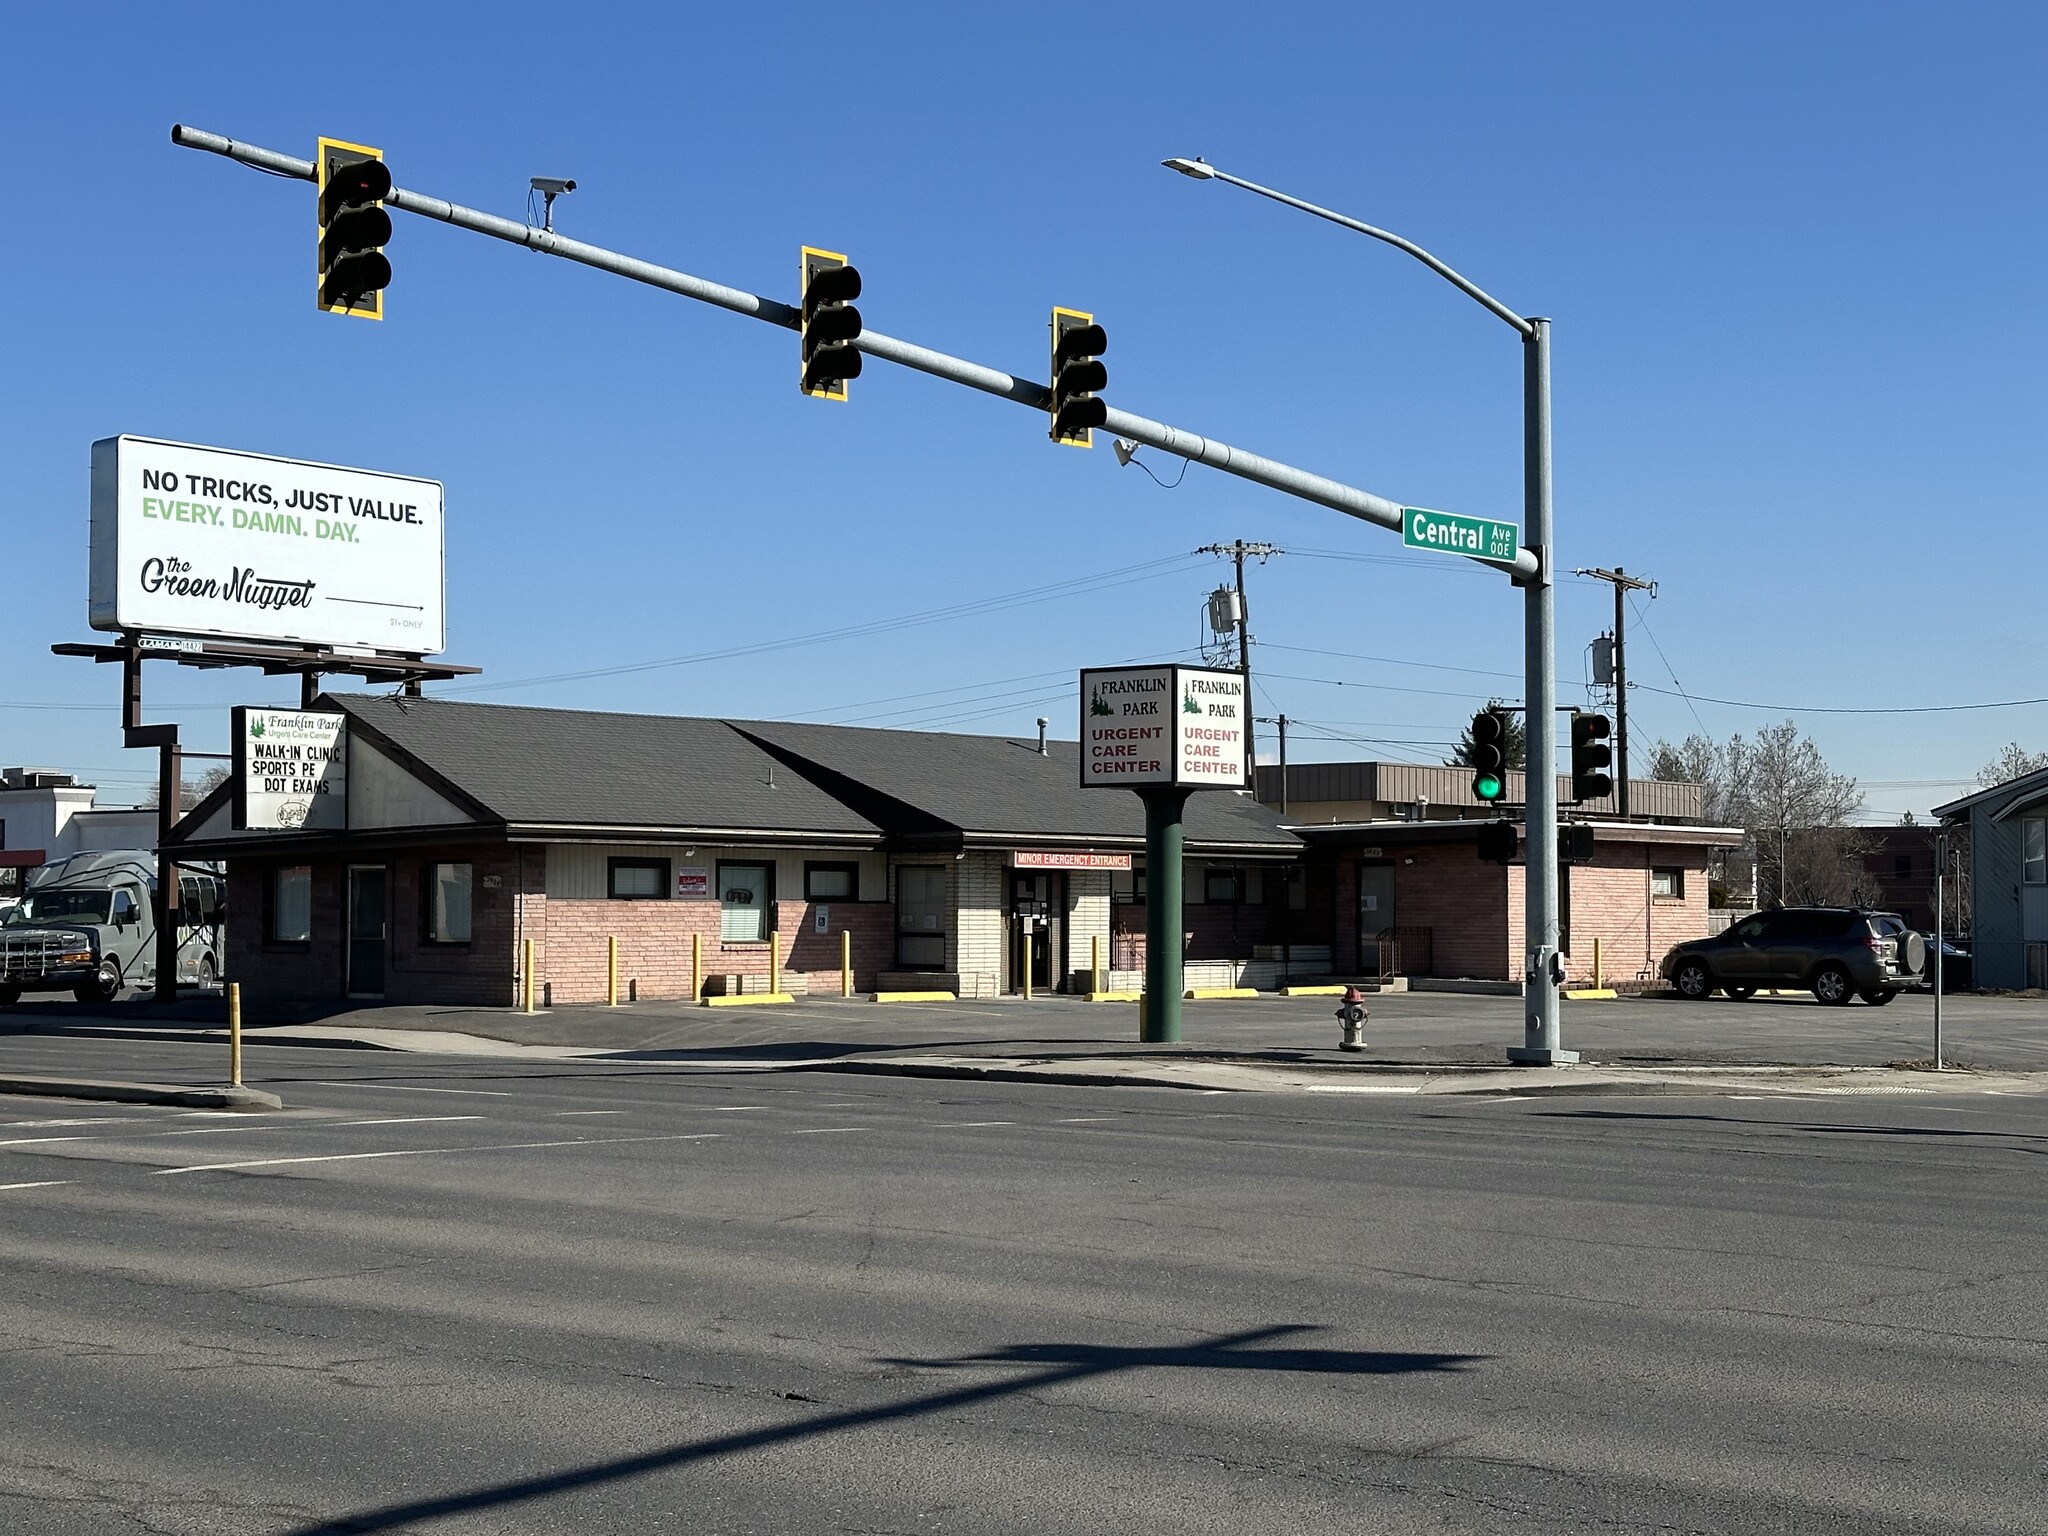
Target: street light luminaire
<point x="1198" y="168"/>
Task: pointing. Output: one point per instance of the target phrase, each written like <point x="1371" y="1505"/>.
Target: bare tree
<point x="192" y="791"/>
<point x="2015" y="762"/>
<point x="1802" y="847"/>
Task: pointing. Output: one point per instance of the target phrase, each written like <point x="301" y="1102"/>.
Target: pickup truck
<point x="86" y="925"/>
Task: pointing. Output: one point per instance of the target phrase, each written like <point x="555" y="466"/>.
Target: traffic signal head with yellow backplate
<point x="1077" y="378"/>
<point x="831" y="325"/>
<point x="354" y="228"/>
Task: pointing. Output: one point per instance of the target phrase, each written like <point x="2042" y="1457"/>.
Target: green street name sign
<point x="1456" y="534"/>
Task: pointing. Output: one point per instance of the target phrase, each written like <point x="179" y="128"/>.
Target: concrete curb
<point x="222" y="1097"/>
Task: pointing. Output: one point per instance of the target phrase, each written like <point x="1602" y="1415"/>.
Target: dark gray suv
<point x="1838" y="952"/>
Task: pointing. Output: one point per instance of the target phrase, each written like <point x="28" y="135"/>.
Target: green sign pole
<point x="1163" y="975"/>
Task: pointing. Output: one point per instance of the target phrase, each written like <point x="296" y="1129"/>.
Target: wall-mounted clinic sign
<point x="291" y="770"/>
<point x="189" y="540"/>
<point x="1162" y="725"/>
<point x="1028" y="858"/>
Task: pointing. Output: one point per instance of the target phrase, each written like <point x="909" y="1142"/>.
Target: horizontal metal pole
<point x="993" y="381"/>
<point x="1442" y="269"/>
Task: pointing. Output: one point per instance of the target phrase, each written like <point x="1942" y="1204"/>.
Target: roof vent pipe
<point x="1042" y="724"/>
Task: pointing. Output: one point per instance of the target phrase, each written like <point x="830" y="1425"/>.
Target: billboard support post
<point x="1164" y="842"/>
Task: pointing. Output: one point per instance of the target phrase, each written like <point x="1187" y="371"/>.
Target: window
<point x="637" y="879"/>
<point x="831" y="882"/>
<point x="447" y="903"/>
<point x="1667" y="884"/>
<point x="745" y="893"/>
<point x="1221" y="883"/>
<point x="2034" y="850"/>
<point x="921" y="917"/>
<point x="291" y="904"/>
<point x="1297" y="890"/>
<point x="1902" y="866"/>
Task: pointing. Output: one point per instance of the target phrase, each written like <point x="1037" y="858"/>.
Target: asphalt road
<point x="472" y="1297"/>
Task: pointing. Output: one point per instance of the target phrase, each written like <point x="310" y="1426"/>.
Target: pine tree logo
<point x="1095" y="704"/>
<point x="256" y="727"/>
<point x="1188" y="703"/>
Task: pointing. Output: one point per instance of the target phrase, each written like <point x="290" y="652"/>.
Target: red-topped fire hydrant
<point x="1353" y="1014"/>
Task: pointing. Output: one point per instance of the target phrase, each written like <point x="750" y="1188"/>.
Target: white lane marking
<point x="829" y="1130"/>
<point x="1363" y="1088"/>
<point x="726" y="1109"/>
<point x="51" y="1125"/>
<point x="355" y="1157"/>
<point x="39" y="1184"/>
<point x="482" y="1093"/>
<point x="29" y="1141"/>
<point x="409" y="1120"/>
<point x="967" y="1125"/>
<point x="1510" y="1098"/>
<point x="565" y="1113"/>
<point x="1083" y="1119"/>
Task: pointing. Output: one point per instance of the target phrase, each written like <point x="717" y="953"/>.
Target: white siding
<point x="577" y="871"/>
<point x="382" y="794"/>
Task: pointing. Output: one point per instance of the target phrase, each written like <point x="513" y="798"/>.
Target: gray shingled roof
<point x="996" y="786"/>
<point x="583" y="768"/>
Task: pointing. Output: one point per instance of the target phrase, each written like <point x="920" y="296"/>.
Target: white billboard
<point x="205" y="541"/>
<point x="291" y="770"/>
<point x="1162" y="725"/>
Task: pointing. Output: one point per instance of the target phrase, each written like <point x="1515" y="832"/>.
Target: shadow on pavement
<point x="1931" y="1132"/>
<point x="1058" y="1363"/>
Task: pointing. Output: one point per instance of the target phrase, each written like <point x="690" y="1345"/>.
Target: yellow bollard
<point x="611" y="971"/>
<point x="235" y="1033"/>
<point x="1095" y="963"/>
<point x="774" y="963"/>
<point x="1599" y="972"/>
<point x="846" y="962"/>
<point x="526" y="975"/>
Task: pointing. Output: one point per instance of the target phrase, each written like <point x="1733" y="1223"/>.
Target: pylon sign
<point x="1162" y="725"/>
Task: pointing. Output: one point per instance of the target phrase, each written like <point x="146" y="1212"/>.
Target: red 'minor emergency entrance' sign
<point x="1162" y="725"/>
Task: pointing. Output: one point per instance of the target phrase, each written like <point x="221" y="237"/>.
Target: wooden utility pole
<point x="1623" y="585"/>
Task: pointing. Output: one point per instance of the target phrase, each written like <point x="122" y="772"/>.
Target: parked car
<point x="1958" y="973"/>
<point x="1837" y="952"/>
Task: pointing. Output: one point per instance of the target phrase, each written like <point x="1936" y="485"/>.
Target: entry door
<point x="1375" y="914"/>
<point x="368" y="930"/>
<point x="1035" y="903"/>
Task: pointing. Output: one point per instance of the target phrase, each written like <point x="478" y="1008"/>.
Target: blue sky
<point x="1792" y="254"/>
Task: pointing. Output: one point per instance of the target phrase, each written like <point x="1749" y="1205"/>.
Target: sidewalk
<point x="1420" y="1043"/>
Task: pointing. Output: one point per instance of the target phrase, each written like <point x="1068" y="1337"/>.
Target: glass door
<point x="368" y="928"/>
<point x="1376" y="918"/>
<point x="921" y="917"/>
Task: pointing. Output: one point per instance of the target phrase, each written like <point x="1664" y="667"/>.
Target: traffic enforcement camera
<point x="1489" y="756"/>
<point x="831" y="325"/>
<point x="1590" y="757"/>
<point x="354" y="229"/>
<point x="1078" y="377"/>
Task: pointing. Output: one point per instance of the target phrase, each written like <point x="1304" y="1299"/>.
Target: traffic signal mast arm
<point x="1333" y="494"/>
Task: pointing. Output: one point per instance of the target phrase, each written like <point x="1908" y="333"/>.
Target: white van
<point x="86" y="925"/>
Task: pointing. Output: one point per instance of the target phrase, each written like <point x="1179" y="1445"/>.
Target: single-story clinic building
<point x="949" y="862"/>
<point x="2005" y="829"/>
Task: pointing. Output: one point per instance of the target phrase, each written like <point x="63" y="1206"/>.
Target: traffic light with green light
<point x="1489" y="756"/>
<point x="354" y="228"/>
